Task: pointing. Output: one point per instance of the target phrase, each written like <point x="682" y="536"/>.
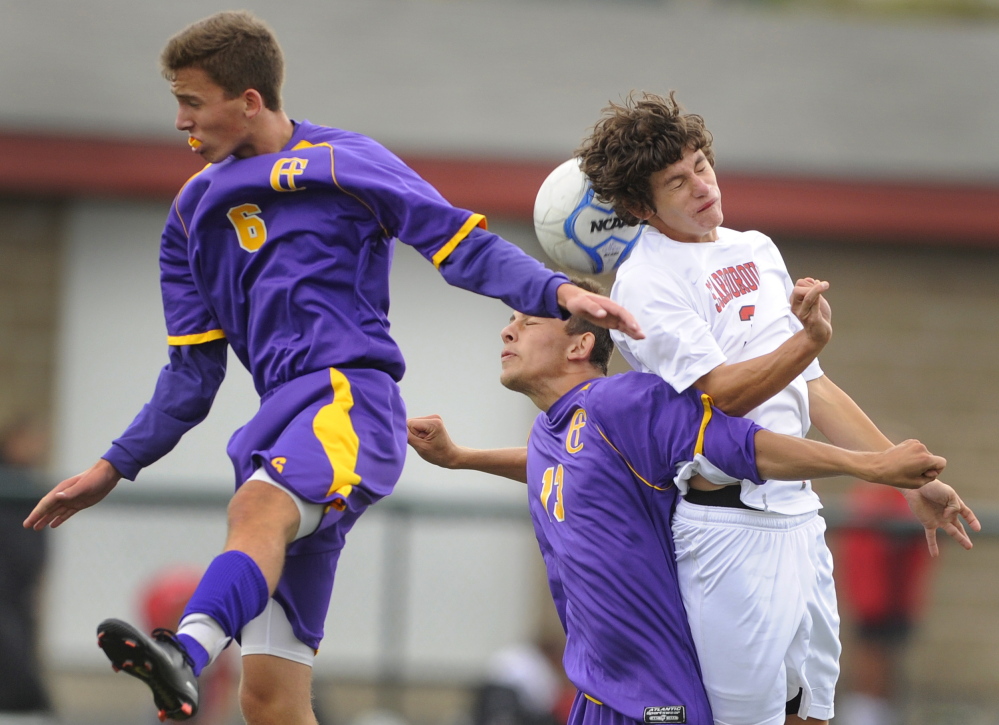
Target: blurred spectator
<point x="883" y="567"/>
<point x="162" y="603"/>
<point x="524" y="685"/>
<point x="23" y="448"/>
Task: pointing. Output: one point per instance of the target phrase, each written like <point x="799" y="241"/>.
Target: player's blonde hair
<point x="632" y="141"/>
<point x="237" y="50"/>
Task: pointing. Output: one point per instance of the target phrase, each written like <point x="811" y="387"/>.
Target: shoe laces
<point x="168" y="635"/>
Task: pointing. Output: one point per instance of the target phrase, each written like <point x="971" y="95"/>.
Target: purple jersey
<point x="286" y="257"/>
<point x="601" y="463"/>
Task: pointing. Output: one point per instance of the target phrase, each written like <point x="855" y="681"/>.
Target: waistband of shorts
<point x="746" y="518"/>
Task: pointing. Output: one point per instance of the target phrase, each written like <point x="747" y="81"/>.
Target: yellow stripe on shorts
<point x="334" y="429"/>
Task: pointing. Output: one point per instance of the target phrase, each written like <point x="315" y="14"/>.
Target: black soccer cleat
<point x="158" y="660"/>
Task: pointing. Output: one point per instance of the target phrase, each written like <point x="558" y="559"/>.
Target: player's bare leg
<point x="263" y="520"/>
<point x="795" y="720"/>
<point x="276" y="691"/>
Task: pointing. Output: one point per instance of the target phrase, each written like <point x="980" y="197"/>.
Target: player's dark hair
<point x="237" y="51"/>
<point x="603" y="346"/>
<point x="634" y="140"/>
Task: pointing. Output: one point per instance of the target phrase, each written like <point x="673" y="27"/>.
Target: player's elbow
<point x="728" y="401"/>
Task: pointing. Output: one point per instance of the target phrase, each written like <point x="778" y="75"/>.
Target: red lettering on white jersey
<point x="729" y="283"/>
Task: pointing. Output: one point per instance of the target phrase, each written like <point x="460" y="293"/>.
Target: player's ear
<point x="582" y="347"/>
<point x="253" y="102"/>
<point x="639" y="211"/>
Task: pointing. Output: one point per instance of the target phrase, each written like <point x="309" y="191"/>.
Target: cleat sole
<point x="137" y="657"/>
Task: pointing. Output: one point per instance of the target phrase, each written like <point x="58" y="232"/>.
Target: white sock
<point x="207" y="632"/>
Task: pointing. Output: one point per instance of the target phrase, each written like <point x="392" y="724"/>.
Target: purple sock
<point x="195" y="651"/>
<point x="232" y="592"/>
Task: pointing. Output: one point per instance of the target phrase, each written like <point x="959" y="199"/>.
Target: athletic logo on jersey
<point x="283" y="174"/>
<point x="573" y="442"/>
<point x="746" y="312"/>
<point x="670" y="714"/>
<point x="278" y="463"/>
<point x="729" y="283"/>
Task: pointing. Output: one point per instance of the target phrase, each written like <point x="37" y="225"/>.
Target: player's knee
<point x="264" y="703"/>
<point x="275" y="691"/>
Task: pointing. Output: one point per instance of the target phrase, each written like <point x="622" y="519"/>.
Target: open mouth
<point x="193" y="143"/>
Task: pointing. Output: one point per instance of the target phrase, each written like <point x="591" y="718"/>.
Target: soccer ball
<point x="577" y="231"/>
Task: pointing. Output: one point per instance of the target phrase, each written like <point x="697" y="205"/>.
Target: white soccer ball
<point x="577" y="231"/>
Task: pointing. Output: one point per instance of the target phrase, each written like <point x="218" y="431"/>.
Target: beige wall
<point x="29" y="301"/>
<point x="915" y="339"/>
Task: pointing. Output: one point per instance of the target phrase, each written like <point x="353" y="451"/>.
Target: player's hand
<point x="937" y="506"/>
<point x="907" y="465"/>
<point x="809" y="306"/>
<point x="72" y="495"/>
<point x="599" y="310"/>
<point x="428" y="437"/>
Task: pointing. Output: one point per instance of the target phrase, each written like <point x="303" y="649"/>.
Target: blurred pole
<point x="395" y="591"/>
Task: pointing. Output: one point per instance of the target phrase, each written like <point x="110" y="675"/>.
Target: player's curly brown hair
<point x="632" y="141"/>
<point x="603" y="345"/>
<point x="237" y="50"/>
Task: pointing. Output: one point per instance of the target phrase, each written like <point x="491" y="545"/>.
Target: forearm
<point x="489" y="265"/>
<point x="738" y="388"/>
<point x="841" y="420"/>
<point x="908" y="465"/>
<point x="506" y="462"/>
<point x="786" y="458"/>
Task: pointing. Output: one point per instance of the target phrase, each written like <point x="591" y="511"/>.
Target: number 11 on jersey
<point x="553" y="479"/>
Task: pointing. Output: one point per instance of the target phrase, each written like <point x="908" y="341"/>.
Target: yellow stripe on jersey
<point x="476" y="220"/>
<point x="195" y="339"/>
<point x="626" y="462"/>
<point x="592" y="699"/>
<point x="334" y="429"/>
<point x="707" y="402"/>
<point x="308" y="145"/>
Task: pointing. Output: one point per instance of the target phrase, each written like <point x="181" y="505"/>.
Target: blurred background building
<point x="862" y="136"/>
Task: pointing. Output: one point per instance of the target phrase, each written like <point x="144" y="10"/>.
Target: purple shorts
<point x="588" y="711"/>
<point x="336" y="437"/>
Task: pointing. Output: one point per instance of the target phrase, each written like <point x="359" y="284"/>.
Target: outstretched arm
<point x="786" y="458"/>
<point x="430" y="439"/>
<point x="737" y="388"/>
<point x="841" y="420"/>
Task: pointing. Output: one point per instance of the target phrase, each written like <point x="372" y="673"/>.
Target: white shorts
<point x="269" y="633"/>
<point x="761" y="602"/>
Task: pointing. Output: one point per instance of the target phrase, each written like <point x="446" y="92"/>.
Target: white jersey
<point x="704" y="304"/>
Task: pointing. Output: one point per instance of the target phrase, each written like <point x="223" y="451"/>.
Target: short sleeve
<point x="730" y="445"/>
<point x="678" y="344"/>
<point x="648" y="423"/>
